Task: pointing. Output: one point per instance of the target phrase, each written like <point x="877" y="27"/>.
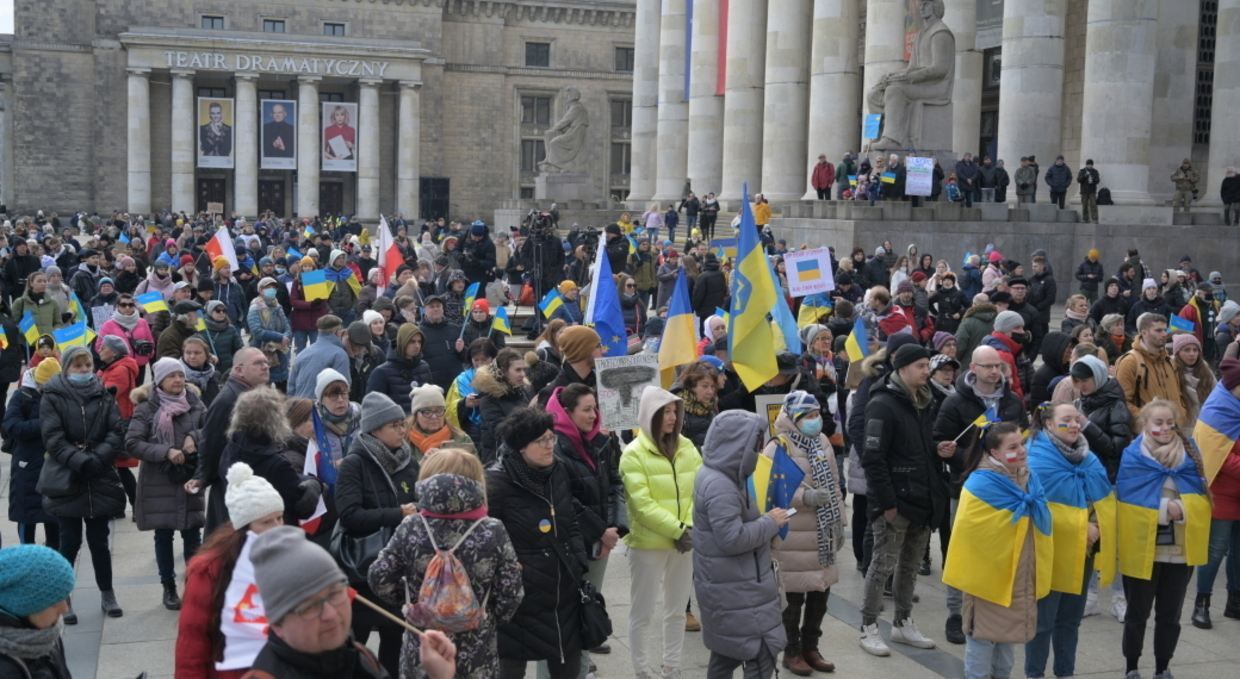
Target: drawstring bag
<point x="446" y="600"/>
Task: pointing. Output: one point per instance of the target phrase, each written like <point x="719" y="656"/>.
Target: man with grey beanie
<point x="1009" y="338"/>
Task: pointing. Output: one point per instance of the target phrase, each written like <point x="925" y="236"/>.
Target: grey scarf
<point x="390" y="460"/>
<point x="830" y="526"/>
<point x="1073" y="453"/>
<point x="30" y="644"/>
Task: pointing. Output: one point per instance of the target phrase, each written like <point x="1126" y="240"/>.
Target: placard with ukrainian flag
<point x="809" y="272"/>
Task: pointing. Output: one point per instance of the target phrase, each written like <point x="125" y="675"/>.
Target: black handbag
<point x="56" y="479"/>
<point x="355" y="553"/>
<point x="595" y="622"/>
<point x="180" y="473"/>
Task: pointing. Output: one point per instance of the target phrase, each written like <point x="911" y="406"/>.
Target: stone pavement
<point x="144" y="639"/>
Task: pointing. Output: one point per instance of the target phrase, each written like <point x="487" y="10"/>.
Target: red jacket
<point x="823" y="177"/>
<point x="1225" y="490"/>
<point x="1192" y="312"/>
<point x="194" y="659"/>
<point x="923" y="327"/>
<point x="123" y="375"/>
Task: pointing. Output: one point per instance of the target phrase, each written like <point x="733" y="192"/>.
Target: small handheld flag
<point x="500" y="322"/>
<point x="315" y="286"/>
<point x="471" y="294"/>
<point x="71" y="335"/>
<point x="857" y="346"/>
<point x="786" y="476"/>
<point x="1180" y="324"/>
<point x="988" y="417"/>
<point x="550" y="302"/>
<point x="152" y="302"/>
<point x="29" y="329"/>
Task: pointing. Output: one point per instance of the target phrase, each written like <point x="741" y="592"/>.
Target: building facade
<point x="304" y="107"/>
<point x="1135" y="85"/>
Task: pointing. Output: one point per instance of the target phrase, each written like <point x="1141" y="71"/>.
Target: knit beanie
<point x="336" y="254"/>
<point x="1181" y="340"/>
<point x="908" y="354"/>
<point x="1147" y="284"/>
<point x="941" y="339"/>
<point x="117" y="344"/>
<point x="567" y="286"/>
<point x="370" y="316"/>
<point x="809" y="332"/>
<point x="426" y="396"/>
<point x="46" y="370"/>
<point x="1009" y="320"/>
<point x="220" y="262"/>
<point x="165" y="367"/>
<point x="1229" y="311"/>
<point x="1090" y="366"/>
<point x="249" y="497"/>
<point x="307" y="263"/>
<point x="904" y="287"/>
<point x="798" y="404"/>
<point x="481" y="304"/>
<point x="378" y="409"/>
<point x="1229" y="373"/>
<point x="326" y="378"/>
<point x="288" y="569"/>
<point x="67" y="356"/>
<point x="577" y="343"/>
<point x="32" y="578"/>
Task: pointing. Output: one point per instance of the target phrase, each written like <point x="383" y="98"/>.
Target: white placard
<point x="768" y="405"/>
<point x="919" y="176"/>
<point x="620" y="383"/>
<point x="100" y="315"/>
<point x="809" y="271"/>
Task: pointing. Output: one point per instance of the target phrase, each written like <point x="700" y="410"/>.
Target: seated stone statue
<point x="565" y="140"/>
<point x="927" y="80"/>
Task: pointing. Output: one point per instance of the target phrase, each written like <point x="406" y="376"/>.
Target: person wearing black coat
<point x="1090" y="273"/>
<point x="1229" y="193"/>
<point x="1111" y="302"/>
<point x="478" y="255"/>
<point x="249" y="369"/>
<point x="1056" y="357"/>
<point x="1110" y="428"/>
<point x="1149" y="301"/>
<point x="81" y="429"/>
<point x="23" y="430"/>
<point x="443" y="347"/>
<point x="948" y="305"/>
<point x="617" y="249"/>
<point x="405" y="367"/>
<point x="710" y="289"/>
<point x="19" y="266"/>
<point x="1059" y="179"/>
<point x="532" y="495"/>
<point x="503" y="389"/>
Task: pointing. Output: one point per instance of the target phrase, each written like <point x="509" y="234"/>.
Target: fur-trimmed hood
<point x="488" y="382"/>
<point x="982" y="310"/>
<point x="259" y="416"/>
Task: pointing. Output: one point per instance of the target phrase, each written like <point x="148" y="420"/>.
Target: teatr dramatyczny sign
<point x="221" y="61"/>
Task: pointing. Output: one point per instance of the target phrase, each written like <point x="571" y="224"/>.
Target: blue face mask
<point x="810" y="427"/>
<point x="269" y="293"/>
<point x="281" y="270"/>
<point x="80" y="378"/>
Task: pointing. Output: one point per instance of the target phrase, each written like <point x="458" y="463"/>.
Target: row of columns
<point x="246" y="145"/>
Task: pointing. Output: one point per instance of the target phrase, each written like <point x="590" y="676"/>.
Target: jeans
<point x="803" y="634"/>
<point x="988" y="195"/>
<point x="510" y="668"/>
<point x="598" y="568"/>
<point x="191" y="540"/>
<point x="691" y="221"/>
<point x="1059" y="626"/>
<point x="655" y="574"/>
<point x="1224" y="542"/>
<point x="304" y="338"/>
<point x="1089" y="207"/>
<point x="987" y="659"/>
<point x="97" y="529"/>
<point x="1231" y="214"/>
<point x="1164" y="594"/>
<point x="723" y="667"/>
<point x="898" y="547"/>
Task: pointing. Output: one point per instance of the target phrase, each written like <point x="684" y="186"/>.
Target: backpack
<point x="446" y="599"/>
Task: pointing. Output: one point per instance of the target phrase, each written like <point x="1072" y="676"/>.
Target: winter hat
<point x="1009" y="320"/>
<point x="46" y="370"/>
<point x="325" y="379"/>
<point x="124" y="261"/>
<point x="939" y="360"/>
<point x="116" y="344"/>
<point x="1215" y="277"/>
<point x="379" y="409"/>
<point x="713" y="322"/>
<point x="211" y="306"/>
<point x="1229" y="311"/>
<point x="249" y="497"/>
<point x="288" y="569"/>
<point x="359" y="333"/>
<point x="307" y="263"/>
<point x="904" y="287"/>
<point x="266" y="282"/>
<point x="165" y="367"/>
<point x="370" y="316"/>
<point x="894" y="342"/>
<point x="577" y="343"/>
<point x="426" y="396"/>
<point x="909" y="354"/>
<point x="1229" y="373"/>
<point x="1183" y="339"/>
<point x="67" y="356"/>
<point x="799" y="403"/>
<point x="404" y="335"/>
<point x="481" y="304"/>
<point x="941" y="339"/>
<point x="106" y="281"/>
<point x="994" y="257"/>
<point x="187" y="259"/>
<point x="811" y="331"/>
<point x="32" y="578"/>
<point x="1148" y="283"/>
<point x="567" y="286"/>
<point x="336" y="254"/>
<point x="1088" y="366"/>
<point x="918" y="276"/>
<point x="654" y="328"/>
<point x="220" y="262"/>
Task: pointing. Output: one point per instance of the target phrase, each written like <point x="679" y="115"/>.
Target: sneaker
<point x="1091" y="603"/>
<point x="954" y="629"/>
<point x="1119" y="606"/>
<point x="70" y="617"/>
<point x="1133" y="674"/>
<point x="1165" y="674"/>
<point x="872" y="641"/>
<point x="906" y="632"/>
<point x="925" y="567"/>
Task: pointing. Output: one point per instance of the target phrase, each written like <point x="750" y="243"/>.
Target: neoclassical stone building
<point x="1136" y="85"/>
<point x="427" y="107"/>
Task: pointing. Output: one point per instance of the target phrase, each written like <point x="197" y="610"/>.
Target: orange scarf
<point x="425" y="442"/>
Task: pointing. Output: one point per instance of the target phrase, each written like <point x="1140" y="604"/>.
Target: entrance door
<point x="210" y="190"/>
<point x="331" y="198"/>
<point x="271" y="196"/>
<point x="432" y="198"/>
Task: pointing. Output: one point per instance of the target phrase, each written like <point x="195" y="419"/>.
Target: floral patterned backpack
<point x="446" y="600"/>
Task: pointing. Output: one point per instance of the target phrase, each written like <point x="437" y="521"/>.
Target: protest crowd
<point x="354" y="436"/>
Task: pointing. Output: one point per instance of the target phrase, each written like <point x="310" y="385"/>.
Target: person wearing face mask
<point x="1202" y="310"/>
<point x="1083" y="533"/>
<point x="81" y="431"/>
<point x="1009" y="339"/>
<point x="222" y="336"/>
<point x="1164" y="526"/>
<point x="270" y="331"/>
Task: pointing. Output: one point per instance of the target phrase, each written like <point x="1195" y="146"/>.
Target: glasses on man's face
<point x="432" y="412"/>
<point x="313" y="609"/>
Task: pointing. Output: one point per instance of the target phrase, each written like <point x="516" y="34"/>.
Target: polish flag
<point x="221" y="245"/>
<point x="388" y="255"/>
<point x="318" y="465"/>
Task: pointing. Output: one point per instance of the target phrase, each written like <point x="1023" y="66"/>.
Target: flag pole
<point x="966" y="430"/>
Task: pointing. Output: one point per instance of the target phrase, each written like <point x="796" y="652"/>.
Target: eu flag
<point x="786" y="477"/>
<point x="608" y="319"/>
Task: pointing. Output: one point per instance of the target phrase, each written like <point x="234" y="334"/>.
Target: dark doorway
<point x="211" y="190"/>
<point x="331" y="198"/>
<point x="433" y="197"/>
<point x="271" y="196"/>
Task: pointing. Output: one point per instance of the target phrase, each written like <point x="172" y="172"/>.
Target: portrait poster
<point x="809" y="272"/>
<point x="215" y="132"/>
<point x="919" y="177"/>
<point x="339" y="136"/>
<point x="279" y="134"/>
<point x="621" y="380"/>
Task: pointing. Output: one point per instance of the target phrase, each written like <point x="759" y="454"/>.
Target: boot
<point x="794" y="663"/>
<point x="172" y="602"/>
<point x="1232" y="610"/>
<point x="107" y="601"/>
<point x="1201" y="612"/>
<point x="815" y="660"/>
<point x="692" y="624"/>
<point x="70" y="617"/>
<point x="954" y="629"/>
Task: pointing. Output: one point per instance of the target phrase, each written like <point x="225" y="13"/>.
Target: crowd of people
<point x="372" y="458"/>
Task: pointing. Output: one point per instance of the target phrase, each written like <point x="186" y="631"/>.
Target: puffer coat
<point x="537" y="510"/>
<point x="658" y="492"/>
<point x="486" y="553"/>
<point x="22" y="427"/>
<point x="162" y="502"/>
<point x="595" y="481"/>
<point x="397" y="376"/>
<point x="79" y="423"/>
<point x="498" y="401"/>
<point x="733" y="576"/>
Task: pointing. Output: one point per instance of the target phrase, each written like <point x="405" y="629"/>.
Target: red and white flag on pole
<point x="389" y="256"/>
<point x="221" y="245"/>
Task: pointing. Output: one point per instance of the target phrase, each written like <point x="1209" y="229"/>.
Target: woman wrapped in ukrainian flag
<point x="1000" y="553"/>
<point x="1082" y="506"/>
<point x="1163" y="516"/>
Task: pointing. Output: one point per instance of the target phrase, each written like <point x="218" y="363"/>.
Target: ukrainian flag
<point x="751" y="344"/>
<point x="1180" y="324"/>
<point x="500" y="322"/>
<point x="1072" y="491"/>
<point x="29" y="329"/>
<point x="315" y="286"/>
<point x="988" y="417"/>
<point x="857" y="346"/>
<point x="808" y="270"/>
<point x="1218" y="429"/>
<point x="1138" y="491"/>
<point x="550" y="302"/>
<point x="308" y="232"/>
<point x="759" y="483"/>
<point x="344" y="275"/>
<point x="680" y="333"/>
<point x="152" y="302"/>
<point x="292" y="252"/>
<point x="471" y="294"/>
<point x="71" y="335"/>
<point x="992" y="521"/>
<point x="814" y="307"/>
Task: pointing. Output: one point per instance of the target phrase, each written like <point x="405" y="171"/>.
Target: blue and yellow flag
<point x="314" y="285"/>
<point x="1072" y="492"/>
<point x="814" y="307"/>
<point x="1138" y="493"/>
<point x="988" y="417"/>
<point x="550" y="302"/>
<point x="152" y="302"/>
<point x="28" y="327"/>
<point x="79" y="312"/>
<point x="608" y="318"/>
<point x="751" y="344"/>
<point x="294" y="253"/>
<point x="724" y="248"/>
<point x="786" y="477"/>
<point x="759" y="483"/>
<point x="342" y="275"/>
<point x="71" y="335"/>
<point x="680" y="332"/>
<point x="1180" y="324"/>
<point x="857" y="346"/>
<point x="783" y="323"/>
<point x="500" y="322"/>
<point x="471" y="294"/>
<point x="1218" y="429"/>
<point x="992" y="521"/>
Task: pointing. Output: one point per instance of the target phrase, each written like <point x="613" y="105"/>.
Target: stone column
<point x="408" y="149"/>
<point x="309" y="145"/>
<point x="645" y="103"/>
<point x="961" y="17"/>
<point x="884" y="44"/>
<point x="183" y="156"/>
<point x="705" y="106"/>
<point x="368" y="149"/>
<point x="672" y="137"/>
<point x="245" y="146"/>
<point x="1120" y="60"/>
<point x="789" y="26"/>
<point x="1224" y="133"/>
<point x="834" y="87"/>
<point x="1031" y="83"/>
<point x="1175" y="87"/>
<point x="139" y="141"/>
<point x="743" y="99"/>
<point x="7" y="164"/>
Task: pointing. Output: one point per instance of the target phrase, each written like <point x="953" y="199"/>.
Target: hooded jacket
<point x="978" y="321"/>
<point x="80" y="423"/>
<point x="899" y="456"/>
<point x="498" y="401"/>
<point x="439" y="352"/>
<point x="658" y="492"/>
<point x="710" y="289"/>
<point x="592" y="460"/>
<point x="1144" y="375"/>
<point x="398" y="375"/>
<point x="1053" y="347"/>
<point x="1110" y="424"/>
<point x="162" y="502"/>
<point x="734" y="578"/>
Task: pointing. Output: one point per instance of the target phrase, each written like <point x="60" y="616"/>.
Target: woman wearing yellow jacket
<point x="658" y="468"/>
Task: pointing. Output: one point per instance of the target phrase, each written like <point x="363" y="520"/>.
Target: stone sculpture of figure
<point x="927" y="80"/>
<point x="566" y="139"/>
